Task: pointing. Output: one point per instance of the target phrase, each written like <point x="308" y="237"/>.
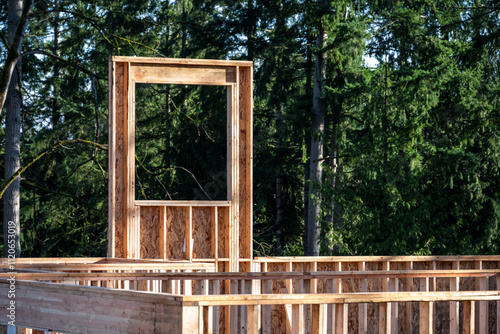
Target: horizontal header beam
<point x="177" y="61"/>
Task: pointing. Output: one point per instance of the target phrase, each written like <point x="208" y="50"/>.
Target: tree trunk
<point x="56" y="104"/>
<point x="11" y="221"/>
<point x="15" y="33"/>
<point x="307" y="135"/>
<point x="334" y="215"/>
<point x="279" y="180"/>
<point x="317" y="147"/>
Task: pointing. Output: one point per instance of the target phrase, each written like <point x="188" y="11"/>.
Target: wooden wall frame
<point x="143" y="229"/>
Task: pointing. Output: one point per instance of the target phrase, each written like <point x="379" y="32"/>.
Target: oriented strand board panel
<point x="176" y="233"/>
<point x="150" y="232"/>
<point x="202" y="233"/>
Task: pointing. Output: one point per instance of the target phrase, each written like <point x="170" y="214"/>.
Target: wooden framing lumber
<point x="125" y="218"/>
<point x="398" y="258"/>
<point x="341" y="298"/>
<point x="246" y="303"/>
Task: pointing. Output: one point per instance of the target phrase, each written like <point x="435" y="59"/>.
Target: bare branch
<point x="48" y="151"/>
<point x="65" y="61"/>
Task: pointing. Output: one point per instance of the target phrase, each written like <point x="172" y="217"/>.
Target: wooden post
<point x="129" y="185"/>
<point x="426" y="309"/>
<point x="385" y="308"/>
<point x="498" y="302"/>
<point x="384" y="318"/>
<point x="454" y="306"/>
<point x="426" y="318"/>
<point x="214" y="213"/>
<point x="216" y="310"/>
<point x="266" y="309"/>
<point x="408" y="311"/>
<point x="330" y="314"/>
<point x="482" y="310"/>
<point x="191" y="319"/>
<point x="341" y="323"/>
<point x="307" y="307"/>
<point x="207" y="320"/>
<point x="340" y="309"/>
<point x="362" y="307"/>
<point x="317" y="311"/>
<point x="288" y="289"/>
<point x="297" y="319"/>
<point x="469" y="323"/>
<point x="112" y="122"/>
<point x="252" y="320"/>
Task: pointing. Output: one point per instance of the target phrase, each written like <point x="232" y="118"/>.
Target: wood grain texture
<point x="202" y="233"/>
<point x="176" y="232"/>
<point x="172" y="74"/>
<point x="245" y="161"/>
<point x="118" y="142"/>
<point x="180" y="61"/>
<point x="150" y="232"/>
<point x="78" y="309"/>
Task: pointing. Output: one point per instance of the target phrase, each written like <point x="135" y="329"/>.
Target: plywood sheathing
<point x="278" y="315"/>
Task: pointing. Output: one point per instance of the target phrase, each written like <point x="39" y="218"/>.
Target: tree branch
<point x="48" y="151"/>
<point x="65" y="61"/>
<point x="13" y="55"/>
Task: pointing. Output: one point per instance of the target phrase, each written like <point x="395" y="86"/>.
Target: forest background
<point x="376" y="123"/>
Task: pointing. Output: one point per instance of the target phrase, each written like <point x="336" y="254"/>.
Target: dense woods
<point x="377" y="123"/>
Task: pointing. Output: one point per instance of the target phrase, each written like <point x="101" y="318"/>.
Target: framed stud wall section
<point x="218" y="231"/>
